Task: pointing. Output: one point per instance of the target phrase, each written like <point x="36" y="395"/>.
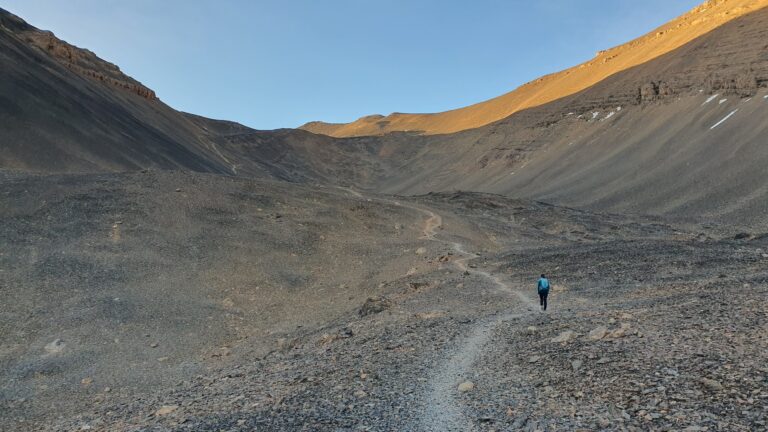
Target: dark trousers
<point x="543" y="298"/>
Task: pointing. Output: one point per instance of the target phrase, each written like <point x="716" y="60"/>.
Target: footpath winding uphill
<point x="444" y="411"/>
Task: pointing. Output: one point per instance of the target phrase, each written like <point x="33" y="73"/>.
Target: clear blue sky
<point x="281" y="63"/>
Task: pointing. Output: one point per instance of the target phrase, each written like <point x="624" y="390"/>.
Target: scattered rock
<point x="621" y="331"/>
<point x="285" y="344"/>
<point x="576" y="365"/>
<point x="597" y="333"/>
<point x="466" y="386"/>
<point x="415" y="286"/>
<point x="430" y="315"/>
<point x="166" y="409"/>
<point x="55" y="347"/>
<point x="710" y="384"/>
<point x="374" y="305"/>
<point x="564" y="337"/>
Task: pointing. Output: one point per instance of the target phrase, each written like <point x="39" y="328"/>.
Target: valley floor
<point x="650" y="326"/>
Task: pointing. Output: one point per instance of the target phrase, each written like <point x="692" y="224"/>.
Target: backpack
<point x="543" y="284"/>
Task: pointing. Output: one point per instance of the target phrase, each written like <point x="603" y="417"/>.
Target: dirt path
<point x="443" y="408"/>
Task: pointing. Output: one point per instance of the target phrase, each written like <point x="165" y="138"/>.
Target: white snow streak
<point x="722" y="101"/>
<point x="710" y="99"/>
<point x="610" y="114"/>
<point x="723" y="120"/>
<point x="595" y="114"/>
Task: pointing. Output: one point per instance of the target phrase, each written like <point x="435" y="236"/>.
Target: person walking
<point x="543" y="291"/>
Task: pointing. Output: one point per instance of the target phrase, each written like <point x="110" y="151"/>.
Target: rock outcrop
<point x="81" y="61"/>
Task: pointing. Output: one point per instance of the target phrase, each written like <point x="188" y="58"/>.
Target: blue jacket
<point x="543" y="285"/>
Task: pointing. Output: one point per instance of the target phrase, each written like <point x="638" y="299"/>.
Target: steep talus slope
<point x="641" y="140"/>
<point x="665" y="39"/>
<point x="63" y="109"/>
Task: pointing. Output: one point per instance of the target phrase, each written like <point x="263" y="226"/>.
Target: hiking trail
<point x="443" y="410"/>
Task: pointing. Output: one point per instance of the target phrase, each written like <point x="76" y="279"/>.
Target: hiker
<point x="543" y="292"/>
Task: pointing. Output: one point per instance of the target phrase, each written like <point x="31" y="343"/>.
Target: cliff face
<point x="696" y="23"/>
<point x="81" y="61"/>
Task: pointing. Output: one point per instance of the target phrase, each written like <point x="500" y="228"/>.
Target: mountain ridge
<point x="695" y="23"/>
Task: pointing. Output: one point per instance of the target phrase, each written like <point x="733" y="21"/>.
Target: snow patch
<point x="618" y="109"/>
<point x="723" y="120"/>
<point x="722" y="101"/>
<point x="765" y="97"/>
<point x="710" y="99"/>
<point x="610" y="114"/>
<point x="595" y="114"/>
<point x="747" y="100"/>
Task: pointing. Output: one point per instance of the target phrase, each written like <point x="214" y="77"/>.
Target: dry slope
<point x="664" y="39"/>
